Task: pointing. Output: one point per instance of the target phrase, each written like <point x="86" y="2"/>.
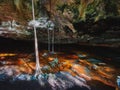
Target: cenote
<point x="59" y="45"/>
<point x="91" y="64"/>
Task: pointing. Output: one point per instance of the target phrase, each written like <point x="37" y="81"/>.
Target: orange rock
<point x="50" y="58"/>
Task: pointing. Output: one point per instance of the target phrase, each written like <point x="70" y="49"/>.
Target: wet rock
<point x="26" y="32"/>
<point x="54" y="62"/>
<point x="118" y="81"/>
<point x="94" y="61"/>
<point x="82" y="56"/>
<point x="64" y="80"/>
<point x="46" y="68"/>
<point x="57" y="81"/>
<point x="94" y="67"/>
<point x="23" y="77"/>
<point x="9" y="70"/>
<point x="11" y="29"/>
<point x="4" y="77"/>
<point x="81" y="71"/>
<point x="101" y="64"/>
<point x="45" y="54"/>
<point x="42" y="23"/>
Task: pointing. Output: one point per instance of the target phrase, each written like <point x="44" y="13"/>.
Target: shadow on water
<point x="34" y="85"/>
<point x="19" y="46"/>
<point x="11" y="45"/>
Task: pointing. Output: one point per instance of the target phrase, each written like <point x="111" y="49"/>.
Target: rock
<point x="101" y="64"/>
<point x="45" y="54"/>
<point x="82" y="56"/>
<point x="3" y="77"/>
<point x="23" y="77"/>
<point x="57" y="81"/>
<point x="26" y="32"/>
<point x="9" y="70"/>
<point x="81" y="71"/>
<point x="118" y="81"/>
<point x="94" y="61"/>
<point x="46" y="68"/>
<point x="94" y="67"/>
<point x="12" y="30"/>
<point x="54" y="62"/>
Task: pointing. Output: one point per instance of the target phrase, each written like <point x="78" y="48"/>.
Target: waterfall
<point x="53" y="41"/>
<point x="48" y="40"/>
<point x="38" y="68"/>
<point x="51" y="37"/>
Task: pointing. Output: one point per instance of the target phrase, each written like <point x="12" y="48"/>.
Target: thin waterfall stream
<point x="49" y="25"/>
<point x="48" y="40"/>
<point x="53" y="38"/>
<point x="38" y="68"/>
<point x="65" y="60"/>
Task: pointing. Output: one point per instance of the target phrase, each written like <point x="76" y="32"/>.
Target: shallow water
<point x="87" y="63"/>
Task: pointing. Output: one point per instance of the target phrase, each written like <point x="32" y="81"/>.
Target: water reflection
<point x="17" y="64"/>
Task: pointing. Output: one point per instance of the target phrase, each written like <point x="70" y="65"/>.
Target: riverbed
<point x="98" y="66"/>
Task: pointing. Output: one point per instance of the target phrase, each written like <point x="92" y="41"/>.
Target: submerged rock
<point x="24" y="77"/>
<point x="46" y="68"/>
<point x="82" y="56"/>
<point x="4" y="77"/>
<point x="57" y="81"/>
<point x="118" y="81"/>
<point x="94" y="61"/>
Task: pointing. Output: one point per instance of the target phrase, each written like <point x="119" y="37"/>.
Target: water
<point x="53" y="42"/>
<point x="50" y="27"/>
<point x="56" y="81"/>
<point x="38" y="68"/>
<point x="48" y="40"/>
<point x="69" y="56"/>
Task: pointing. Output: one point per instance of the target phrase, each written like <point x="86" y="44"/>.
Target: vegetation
<point x="82" y="10"/>
<point x="92" y="9"/>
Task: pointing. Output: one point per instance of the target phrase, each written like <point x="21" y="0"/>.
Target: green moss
<point x="82" y="10"/>
<point x="92" y="10"/>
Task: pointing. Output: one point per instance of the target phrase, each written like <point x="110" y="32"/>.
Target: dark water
<point x="106" y="54"/>
<point x="110" y="53"/>
<point x="33" y="85"/>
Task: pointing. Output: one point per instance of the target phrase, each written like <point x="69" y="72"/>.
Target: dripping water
<point x="51" y="37"/>
<point x="48" y="40"/>
<point x="38" y="68"/>
<point x="53" y="41"/>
